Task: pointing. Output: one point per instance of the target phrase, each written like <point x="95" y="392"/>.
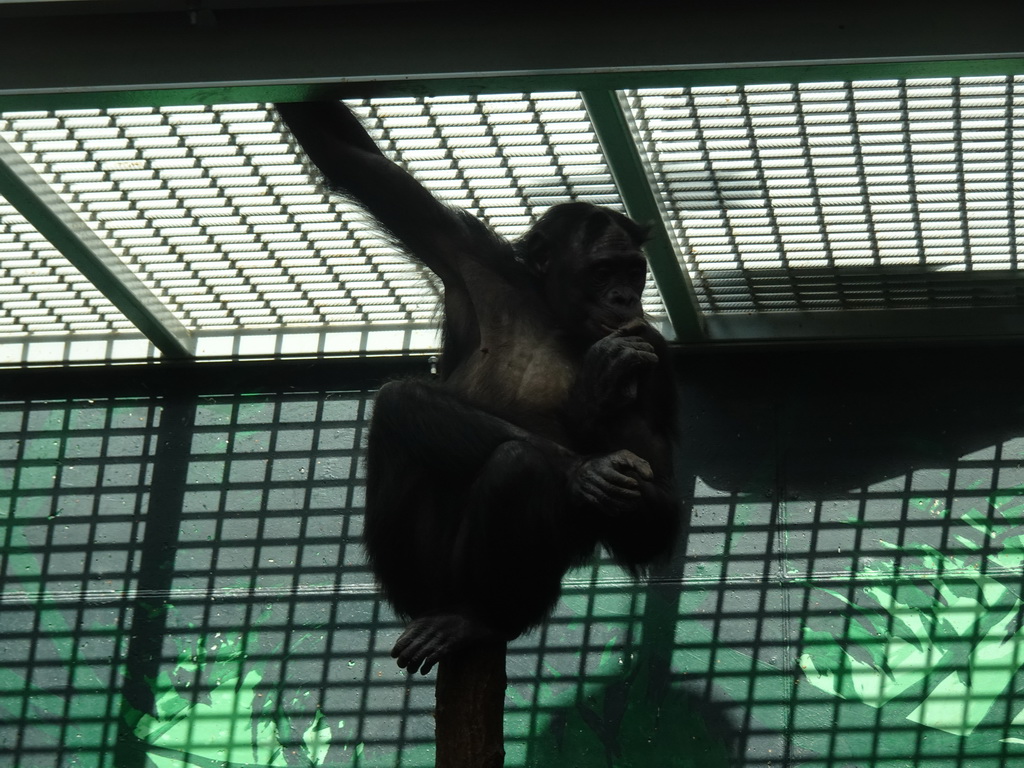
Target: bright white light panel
<point x="40" y="292"/>
<point x="879" y="194"/>
<point x="216" y="211"/>
<point x="48" y="310"/>
<point x="821" y="196"/>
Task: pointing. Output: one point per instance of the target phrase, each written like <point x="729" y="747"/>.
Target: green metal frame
<point x="520" y="82"/>
<point x="29" y="193"/>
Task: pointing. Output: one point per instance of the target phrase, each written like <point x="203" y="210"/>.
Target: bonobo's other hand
<point x="429" y="639"/>
<point x="611" y="482"/>
<point x="613" y="364"/>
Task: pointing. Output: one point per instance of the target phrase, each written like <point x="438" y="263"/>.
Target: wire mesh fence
<point x="183" y="583"/>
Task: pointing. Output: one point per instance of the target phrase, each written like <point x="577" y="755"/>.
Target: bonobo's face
<point x="591" y="267"/>
<point x="612" y="277"/>
<point x="597" y="285"/>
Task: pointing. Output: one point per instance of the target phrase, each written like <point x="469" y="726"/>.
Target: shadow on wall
<point x="636" y="722"/>
<point x="819" y="422"/>
<point x="894" y="574"/>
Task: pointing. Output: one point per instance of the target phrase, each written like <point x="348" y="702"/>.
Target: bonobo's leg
<point x="426" y="448"/>
<point x="471" y="521"/>
<point x="445" y="432"/>
<point x="516" y="538"/>
<point x="431" y="453"/>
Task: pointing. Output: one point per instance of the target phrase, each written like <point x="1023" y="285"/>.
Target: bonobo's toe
<point x="429" y="639"/>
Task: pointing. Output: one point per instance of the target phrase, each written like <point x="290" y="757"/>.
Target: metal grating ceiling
<point x="41" y="292"/>
<point x="778" y="199"/>
<point x="215" y="211"/>
<point x="853" y="195"/>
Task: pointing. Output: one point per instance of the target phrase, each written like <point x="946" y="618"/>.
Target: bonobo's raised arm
<point x="322" y="125"/>
<point x="547" y="431"/>
<point x="353" y="165"/>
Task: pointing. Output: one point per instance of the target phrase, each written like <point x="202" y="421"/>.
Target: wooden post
<point x="469" y="719"/>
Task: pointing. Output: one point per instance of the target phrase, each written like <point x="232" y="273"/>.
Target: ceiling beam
<point x="946" y="324"/>
<point x="299" y="52"/>
<point x="44" y="209"/>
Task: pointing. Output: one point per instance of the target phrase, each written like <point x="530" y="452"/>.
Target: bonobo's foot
<point x="429" y="639"/>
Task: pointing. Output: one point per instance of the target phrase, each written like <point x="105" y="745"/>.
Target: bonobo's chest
<point x="527" y="379"/>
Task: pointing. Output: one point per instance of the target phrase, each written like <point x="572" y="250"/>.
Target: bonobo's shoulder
<point x="486" y="247"/>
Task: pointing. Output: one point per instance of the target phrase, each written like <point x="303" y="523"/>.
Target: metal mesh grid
<point x="880" y="194"/>
<point x="249" y="621"/>
<point x="212" y="209"/>
<point x="41" y="292"/>
<point x="75" y="479"/>
<point x="505" y="159"/>
<point x="216" y="211"/>
<point x="43" y="295"/>
<point x="771" y="626"/>
<point x="878" y="626"/>
<point x="935" y="602"/>
<point x="852" y="195"/>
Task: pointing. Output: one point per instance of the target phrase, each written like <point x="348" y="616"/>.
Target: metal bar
<point x="199" y="377"/>
<point x="974" y="323"/>
<point x="29" y="193"/>
<point x="156" y="94"/>
<point x="609" y="118"/>
<point x="359" y="49"/>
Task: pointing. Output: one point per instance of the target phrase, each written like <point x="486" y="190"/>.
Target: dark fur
<point x="548" y="430"/>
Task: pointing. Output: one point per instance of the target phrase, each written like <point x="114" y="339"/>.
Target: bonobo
<point x="547" y="430"/>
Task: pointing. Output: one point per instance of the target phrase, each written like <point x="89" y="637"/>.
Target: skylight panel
<point x="199" y="202"/>
<point x="880" y="194"/>
<point x="48" y="310"/>
<point x="895" y="194"/>
<point x="216" y="211"/>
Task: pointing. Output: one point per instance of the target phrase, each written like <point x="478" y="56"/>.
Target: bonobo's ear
<point x="638" y="233"/>
<point x="534" y="250"/>
<point x="600" y="219"/>
<point x="539" y="265"/>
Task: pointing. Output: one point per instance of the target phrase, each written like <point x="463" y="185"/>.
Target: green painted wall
<point x="183" y="584"/>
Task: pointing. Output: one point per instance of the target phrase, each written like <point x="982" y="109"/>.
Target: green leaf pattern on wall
<point x="941" y="629"/>
<point x="234" y="724"/>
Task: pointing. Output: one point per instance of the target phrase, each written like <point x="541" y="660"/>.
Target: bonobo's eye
<point x="635" y="276"/>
